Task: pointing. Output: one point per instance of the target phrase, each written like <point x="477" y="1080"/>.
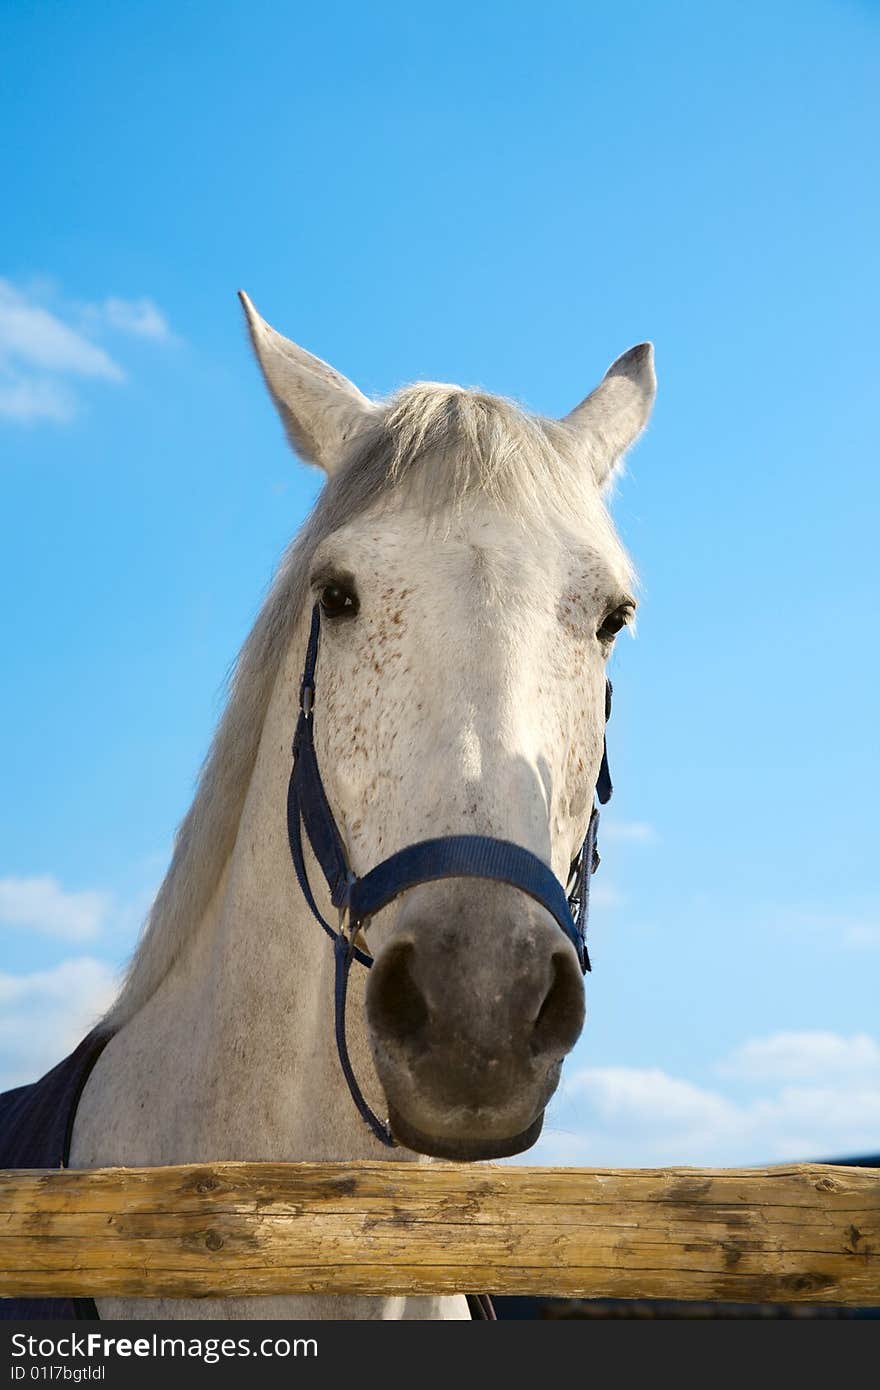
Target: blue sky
<point x="500" y="195"/>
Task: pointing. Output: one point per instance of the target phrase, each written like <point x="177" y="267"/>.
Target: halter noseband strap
<point x="452" y="856"/>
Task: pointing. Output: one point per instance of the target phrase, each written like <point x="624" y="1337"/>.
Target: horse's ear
<point x="320" y="409"/>
<point x="614" y="415"/>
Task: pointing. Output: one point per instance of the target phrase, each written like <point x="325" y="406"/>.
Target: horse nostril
<point x="560" y="1018"/>
<point x="396" y="1007"/>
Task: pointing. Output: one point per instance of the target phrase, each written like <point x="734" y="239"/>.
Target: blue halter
<point x="452" y="856"/>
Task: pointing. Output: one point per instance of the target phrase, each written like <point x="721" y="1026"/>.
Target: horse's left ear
<point x="322" y="411"/>
<point x="614" y="415"/>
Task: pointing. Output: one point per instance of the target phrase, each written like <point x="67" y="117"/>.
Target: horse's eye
<point x="614" y="621"/>
<point x="339" y="600"/>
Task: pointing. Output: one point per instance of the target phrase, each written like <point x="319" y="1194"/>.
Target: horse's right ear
<point x="321" y="410"/>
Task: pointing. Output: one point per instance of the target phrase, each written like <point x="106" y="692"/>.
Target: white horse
<point x="472" y="585"/>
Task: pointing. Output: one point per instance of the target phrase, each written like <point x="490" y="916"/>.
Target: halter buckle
<point x="351" y="932"/>
<point x="307" y="699"/>
<point x="344" y="923"/>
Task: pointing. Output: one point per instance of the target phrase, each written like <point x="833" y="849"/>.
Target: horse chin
<point x="462" y="1150"/>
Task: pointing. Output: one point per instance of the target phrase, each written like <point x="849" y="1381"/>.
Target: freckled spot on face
<point x="574" y="611"/>
<point x="578" y="609"/>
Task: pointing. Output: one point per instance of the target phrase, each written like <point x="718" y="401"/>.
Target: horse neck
<point x="234" y="1058"/>
<point x="234" y="1055"/>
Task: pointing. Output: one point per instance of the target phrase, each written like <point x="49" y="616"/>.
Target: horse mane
<point x="439" y="445"/>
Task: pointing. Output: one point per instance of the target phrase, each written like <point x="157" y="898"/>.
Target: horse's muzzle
<point x="473" y="1002"/>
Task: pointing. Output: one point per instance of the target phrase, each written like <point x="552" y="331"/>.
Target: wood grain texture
<point x="809" y="1233"/>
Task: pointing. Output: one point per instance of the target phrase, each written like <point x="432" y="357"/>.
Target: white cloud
<point x="34" y="398"/>
<point x="42" y="905"/>
<point x="138" y="316"/>
<point x="818" y="1121"/>
<point x="636" y="831"/>
<point x="31" y="336"/>
<point x="44" y="342"/>
<point x="855" y="926"/>
<point x="632" y="1116"/>
<point x="812" y="1057"/>
<point x="632" y="1109"/>
<point x="864" y="935"/>
<point x="45" y="1014"/>
<point x="647" y="1095"/>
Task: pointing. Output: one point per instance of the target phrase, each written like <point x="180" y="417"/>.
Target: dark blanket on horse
<point x="36" y="1124"/>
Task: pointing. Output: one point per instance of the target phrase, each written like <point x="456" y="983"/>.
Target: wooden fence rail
<point x="809" y="1233"/>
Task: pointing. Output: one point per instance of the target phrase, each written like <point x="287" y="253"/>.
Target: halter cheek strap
<point x="452" y="856"/>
